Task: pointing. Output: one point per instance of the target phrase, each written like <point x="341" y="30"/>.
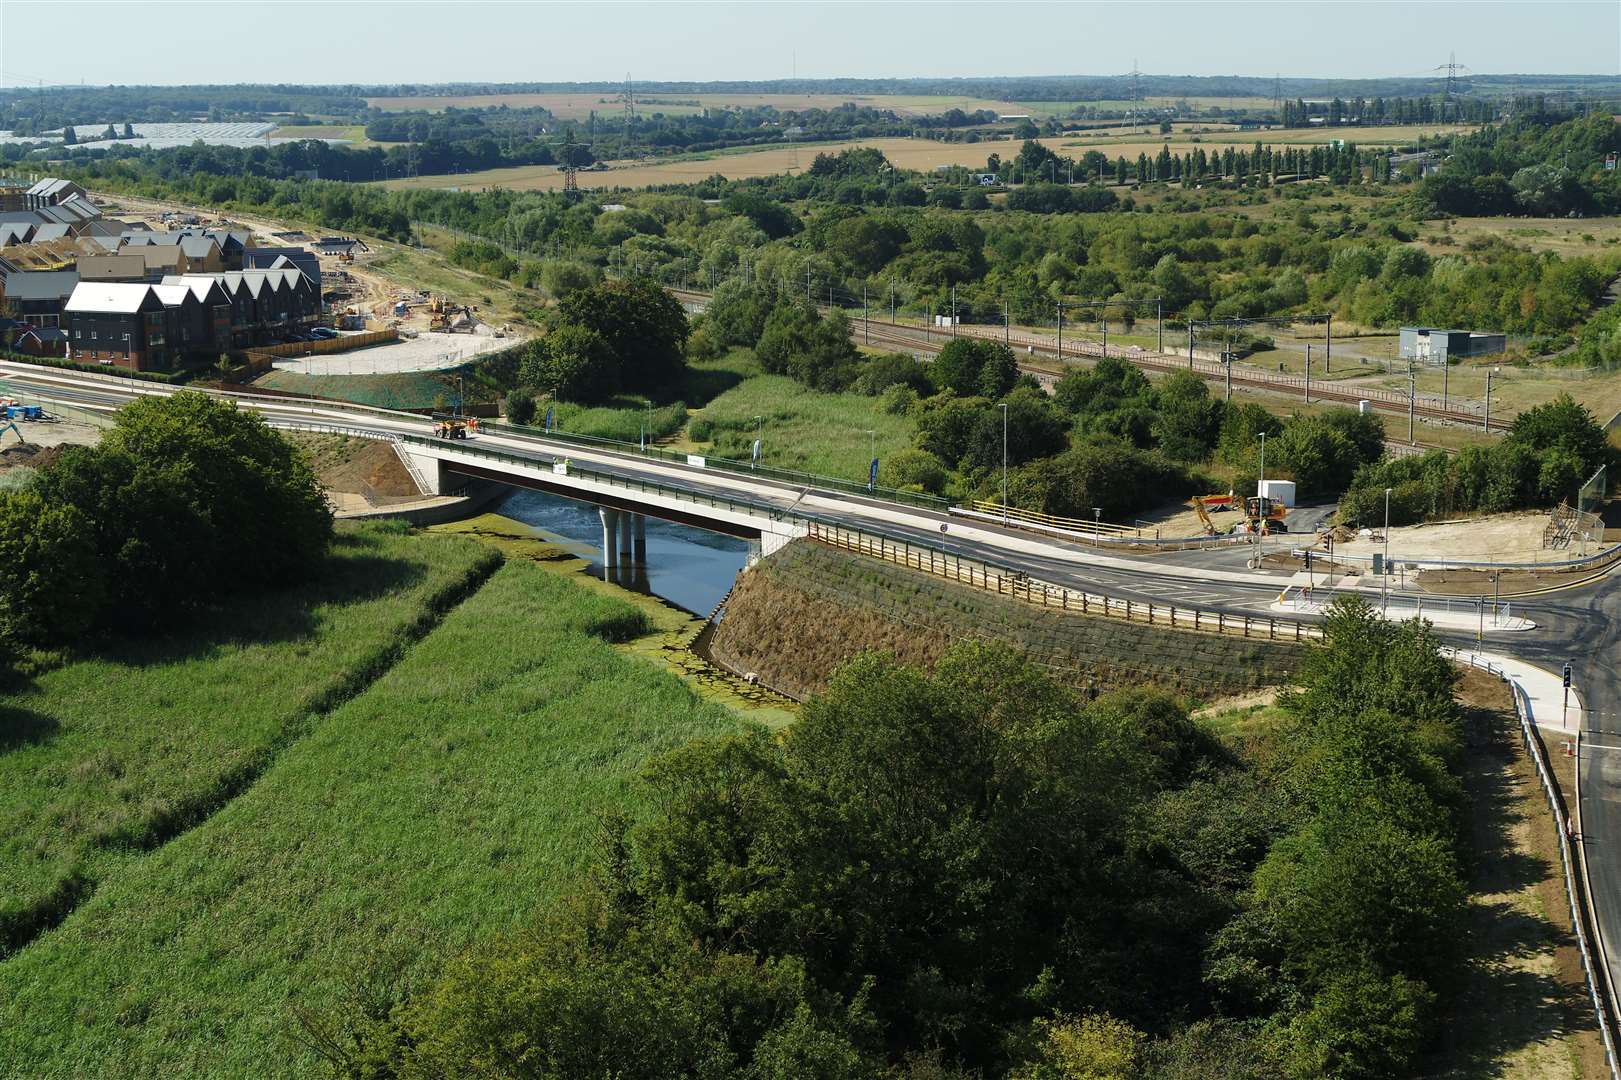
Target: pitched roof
<point x="40" y="284"/>
<point x="14" y="232"/>
<point x="49" y="232"/>
<point x="160" y="256"/>
<point x="110" y="267"/>
<point x="201" y="285"/>
<point x="49" y="186"/>
<point x="198" y="247"/>
<point x="173" y="295"/>
<point x="104" y="296"/>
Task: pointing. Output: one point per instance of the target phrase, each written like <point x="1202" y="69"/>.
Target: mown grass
<point x="802" y="429"/>
<point x="457" y="797"/>
<point x="114" y="753"/>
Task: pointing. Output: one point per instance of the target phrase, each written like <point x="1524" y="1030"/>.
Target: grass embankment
<point x="113" y="754"/>
<point x="801" y="429"/>
<point x="1521" y="1010"/>
<point x="455" y="798"/>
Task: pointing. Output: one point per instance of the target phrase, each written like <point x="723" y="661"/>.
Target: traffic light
<point x="1567" y="676"/>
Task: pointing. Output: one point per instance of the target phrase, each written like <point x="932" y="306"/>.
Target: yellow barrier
<point x="1032" y="517"/>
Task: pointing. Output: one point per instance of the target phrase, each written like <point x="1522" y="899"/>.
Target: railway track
<point x="1387" y="401"/>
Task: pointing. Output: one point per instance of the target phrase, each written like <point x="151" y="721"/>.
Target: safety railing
<point x="1588" y="939"/>
<point x="1005" y="581"/>
<point x="1598" y="558"/>
<point x="731" y="465"/>
<point x="1053" y="521"/>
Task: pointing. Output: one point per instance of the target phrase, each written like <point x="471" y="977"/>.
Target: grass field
<point x="801" y="429"/>
<point x="355" y="134"/>
<point x="919" y="154"/>
<point x="453" y="799"/>
<point x="112" y="754"/>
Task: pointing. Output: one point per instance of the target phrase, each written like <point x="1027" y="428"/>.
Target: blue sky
<point x="337" y="41"/>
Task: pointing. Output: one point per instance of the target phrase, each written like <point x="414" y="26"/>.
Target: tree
<point x="1095" y="1047"/>
<point x="1189" y="420"/>
<point x="562" y="278"/>
<point x="974" y="366"/>
<point x="53" y="584"/>
<point x="737" y="313"/>
<point x="129" y="130"/>
<point x="643" y="327"/>
<point x="187" y="498"/>
<point x="770" y="217"/>
<point x="69" y="138"/>
<point x="572" y="362"/>
<point x="521" y="406"/>
<point x="814" y="351"/>
<point x="1565" y="424"/>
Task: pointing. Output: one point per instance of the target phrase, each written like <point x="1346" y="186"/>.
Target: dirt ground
<point x="1521" y="1012"/>
<point x="425" y="352"/>
<point x="367" y="468"/>
<point x="41" y="434"/>
<point x="1501" y="537"/>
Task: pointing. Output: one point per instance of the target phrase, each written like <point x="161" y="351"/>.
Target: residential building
<point x="37" y="297"/>
<point x="119" y="323"/>
<point x="126" y="266"/>
<point x="265" y="259"/>
<point x="51" y="192"/>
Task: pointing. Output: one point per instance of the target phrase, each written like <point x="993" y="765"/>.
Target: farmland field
<point x="354" y="134"/>
<point x="456" y="797"/>
<point x="576" y="106"/>
<point x="920" y="154"/>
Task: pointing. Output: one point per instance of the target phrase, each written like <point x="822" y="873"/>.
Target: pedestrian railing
<point x="1005" y="581"/>
<point x="1589" y="941"/>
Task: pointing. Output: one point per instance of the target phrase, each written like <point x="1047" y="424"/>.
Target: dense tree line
<point x="185" y="500"/>
<point x="968" y="872"/>
<point x="1548" y="453"/>
<point x="1538" y="164"/>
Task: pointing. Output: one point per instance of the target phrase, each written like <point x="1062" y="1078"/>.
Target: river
<point x="687" y="567"/>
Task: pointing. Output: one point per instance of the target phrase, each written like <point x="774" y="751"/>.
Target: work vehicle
<point x="1261" y="514"/>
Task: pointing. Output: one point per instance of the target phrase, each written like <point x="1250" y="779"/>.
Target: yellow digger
<point x="1261" y="513"/>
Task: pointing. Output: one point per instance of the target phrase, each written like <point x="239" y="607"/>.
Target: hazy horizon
<point x="421" y="42"/>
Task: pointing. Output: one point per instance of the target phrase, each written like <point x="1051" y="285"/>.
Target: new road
<point x="1579" y="624"/>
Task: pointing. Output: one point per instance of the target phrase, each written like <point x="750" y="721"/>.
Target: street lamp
<point x="1384" y="578"/>
<point x="1003" y="406"/>
<point x="1097" y="527"/>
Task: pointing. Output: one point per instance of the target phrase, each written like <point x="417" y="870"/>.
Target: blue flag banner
<point x="548" y="418"/>
<point x="754" y="454"/>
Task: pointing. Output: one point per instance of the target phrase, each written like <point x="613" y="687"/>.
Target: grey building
<point x="265" y="259"/>
<point x="1430" y="345"/>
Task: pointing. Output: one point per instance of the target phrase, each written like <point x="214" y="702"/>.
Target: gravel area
<point x="426" y="352"/>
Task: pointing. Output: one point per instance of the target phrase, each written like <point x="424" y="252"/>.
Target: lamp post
<point x="1384" y="577"/>
<point x="1097" y="527"/>
<point x="1486" y="420"/>
<point x="1003" y="406"/>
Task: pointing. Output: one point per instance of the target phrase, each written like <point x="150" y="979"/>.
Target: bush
<point x="188" y="498"/>
<point x="913" y="470"/>
<point x="521" y="406"/>
<point x="974" y="366"/>
<point x="881" y="373"/>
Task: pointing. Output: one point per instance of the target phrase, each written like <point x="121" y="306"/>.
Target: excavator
<point x="1261" y="513"/>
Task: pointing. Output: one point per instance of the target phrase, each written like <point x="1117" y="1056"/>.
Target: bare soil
<point x="1499" y="537"/>
<point x="364" y="467"/>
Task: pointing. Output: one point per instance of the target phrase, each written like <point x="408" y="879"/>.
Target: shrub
<point x="521" y="406"/>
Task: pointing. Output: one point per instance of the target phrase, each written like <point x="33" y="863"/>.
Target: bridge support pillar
<point x="639" y="539"/>
<point x="625" y="517"/>
<point x="610" y="537"/>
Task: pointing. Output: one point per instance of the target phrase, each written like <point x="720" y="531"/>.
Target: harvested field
<point x="919" y="154"/>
